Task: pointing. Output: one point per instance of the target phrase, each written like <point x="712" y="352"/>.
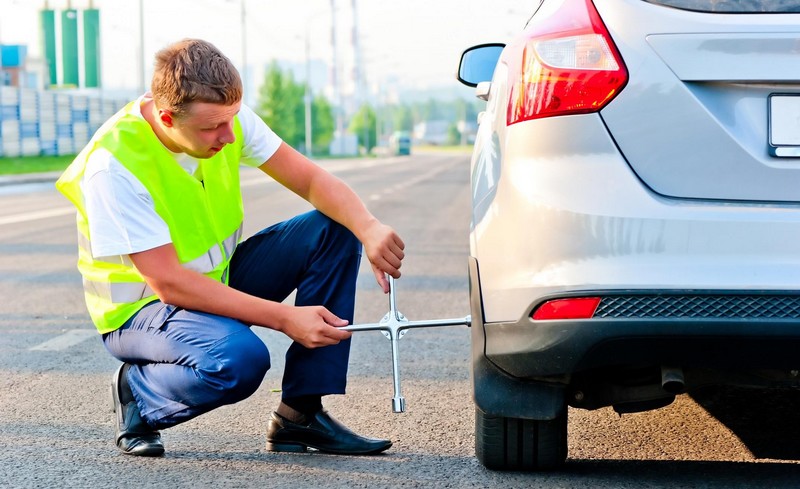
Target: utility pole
<point x="243" y="27"/>
<point x="360" y="99"/>
<point x="307" y="97"/>
<point x="464" y="123"/>
<point x="378" y="127"/>
<point x="337" y="93"/>
<point x="142" y="78"/>
<point x="2" y="73"/>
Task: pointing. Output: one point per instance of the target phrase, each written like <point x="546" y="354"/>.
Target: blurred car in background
<point x="635" y="227"/>
<point x="400" y="143"/>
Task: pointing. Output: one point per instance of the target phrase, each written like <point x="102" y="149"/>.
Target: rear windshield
<point x="733" y="6"/>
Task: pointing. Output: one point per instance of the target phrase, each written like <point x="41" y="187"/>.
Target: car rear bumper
<point x="544" y="349"/>
<point x="524" y="368"/>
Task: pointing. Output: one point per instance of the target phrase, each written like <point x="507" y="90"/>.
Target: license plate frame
<point x="783" y="118"/>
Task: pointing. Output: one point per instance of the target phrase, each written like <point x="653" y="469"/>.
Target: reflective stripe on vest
<point x="213" y="257"/>
<point x="118" y="292"/>
<point x="203" y="264"/>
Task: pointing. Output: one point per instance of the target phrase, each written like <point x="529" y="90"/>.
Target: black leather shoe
<point x="323" y="433"/>
<point x="134" y="435"/>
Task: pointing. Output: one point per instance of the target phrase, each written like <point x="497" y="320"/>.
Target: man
<point x="172" y="291"/>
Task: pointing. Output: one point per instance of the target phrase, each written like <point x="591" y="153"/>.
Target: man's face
<point x="204" y="129"/>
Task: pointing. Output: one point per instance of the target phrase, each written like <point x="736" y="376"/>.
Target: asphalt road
<point x="55" y="420"/>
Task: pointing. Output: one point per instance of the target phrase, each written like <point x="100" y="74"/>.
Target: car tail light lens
<point x="565" y="64"/>
<point x="571" y="308"/>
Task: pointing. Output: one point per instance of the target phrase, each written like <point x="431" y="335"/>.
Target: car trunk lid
<point x="712" y="108"/>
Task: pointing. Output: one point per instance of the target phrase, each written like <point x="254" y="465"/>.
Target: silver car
<point x="635" y="213"/>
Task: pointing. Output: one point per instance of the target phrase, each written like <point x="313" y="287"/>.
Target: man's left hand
<point x="384" y="249"/>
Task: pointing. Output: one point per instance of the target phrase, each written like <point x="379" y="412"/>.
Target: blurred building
<point x="51" y="106"/>
<point x="50" y="122"/>
<point x="431" y="132"/>
<point x="69" y="64"/>
<point x="15" y="68"/>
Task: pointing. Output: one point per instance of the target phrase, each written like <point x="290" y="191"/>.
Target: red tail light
<point x="574" y="308"/>
<point x="566" y="64"/>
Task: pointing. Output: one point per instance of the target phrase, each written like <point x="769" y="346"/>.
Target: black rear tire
<point x="520" y="444"/>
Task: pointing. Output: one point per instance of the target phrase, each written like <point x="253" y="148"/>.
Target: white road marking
<point x="71" y="338"/>
<point x="35" y="215"/>
<point x="262" y="179"/>
<point x="248" y="182"/>
<point x="432" y="173"/>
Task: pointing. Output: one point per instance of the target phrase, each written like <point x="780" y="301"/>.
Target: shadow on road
<point x="767" y="422"/>
<point x="433" y="471"/>
<point x="669" y="473"/>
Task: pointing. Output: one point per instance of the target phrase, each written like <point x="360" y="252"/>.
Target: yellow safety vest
<point x="204" y="218"/>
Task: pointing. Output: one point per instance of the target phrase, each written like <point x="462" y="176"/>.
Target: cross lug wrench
<point x="394" y="326"/>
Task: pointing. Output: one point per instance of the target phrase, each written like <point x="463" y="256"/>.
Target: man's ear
<point x="166" y="117"/>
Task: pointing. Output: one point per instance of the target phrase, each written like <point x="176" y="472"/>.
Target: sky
<point x="411" y="44"/>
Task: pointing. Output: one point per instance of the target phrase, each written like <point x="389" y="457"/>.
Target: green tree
<point x="453" y="135"/>
<point x="281" y="105"/>
<point x="363" y="126"/>
<point x="322" y="124"/>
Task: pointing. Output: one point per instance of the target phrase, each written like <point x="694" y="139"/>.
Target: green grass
<point x="34" y="164"/>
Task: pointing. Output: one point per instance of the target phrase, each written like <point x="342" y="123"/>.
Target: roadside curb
<point x="24" y="178"/>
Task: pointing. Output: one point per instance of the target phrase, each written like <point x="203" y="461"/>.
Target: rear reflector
<point x="577" y="308"/>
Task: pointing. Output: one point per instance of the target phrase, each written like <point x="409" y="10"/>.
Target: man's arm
<point x="311" y="326"/>
<point x="335" y="199"/>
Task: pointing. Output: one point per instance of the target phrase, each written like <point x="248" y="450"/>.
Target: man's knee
<point x="333" y="233"/>
<point x="243" y="362"/>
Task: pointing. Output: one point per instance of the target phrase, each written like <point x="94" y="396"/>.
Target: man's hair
<point x="193" y="70"/>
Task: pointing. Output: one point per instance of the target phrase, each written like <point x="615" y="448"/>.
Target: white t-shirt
<point x="122" y="217"/>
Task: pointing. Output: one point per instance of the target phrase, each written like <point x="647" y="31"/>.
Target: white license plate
<point x="784" y="125"/>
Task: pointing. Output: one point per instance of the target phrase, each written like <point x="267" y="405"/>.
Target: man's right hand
<point x="314" y="326"/>
<point x="311" y="326"/>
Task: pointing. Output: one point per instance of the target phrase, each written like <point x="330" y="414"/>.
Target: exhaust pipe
<point x="672" y="380"/>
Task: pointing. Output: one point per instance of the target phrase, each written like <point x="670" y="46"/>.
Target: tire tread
<point x="520" y="444"/>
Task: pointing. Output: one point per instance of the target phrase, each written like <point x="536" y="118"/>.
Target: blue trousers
<point x="185" y="363"/>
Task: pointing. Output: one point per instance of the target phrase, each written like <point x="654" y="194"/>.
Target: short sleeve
<point x="260" y="142"/>
<point x="122" y="217"/>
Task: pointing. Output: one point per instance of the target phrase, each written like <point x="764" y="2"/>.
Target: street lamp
<point x="243" y="27"/>
<point x="142" y="64"/>
<point x="307" y="97"/>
